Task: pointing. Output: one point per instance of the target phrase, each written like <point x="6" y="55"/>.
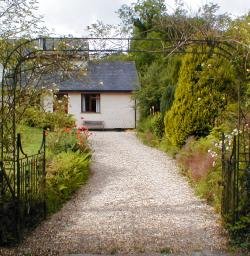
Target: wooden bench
<point x="92" y="125"/>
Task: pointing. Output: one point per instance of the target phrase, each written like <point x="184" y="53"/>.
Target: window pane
<point x="83" y="103"/>
<point x="98" y="104"/>
<point x="87" y="103"/>
<point x="90" y="102"/>
<point x="93" y="103"/>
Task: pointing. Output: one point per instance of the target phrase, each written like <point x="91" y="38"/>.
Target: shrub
<point x="68" y="158"/>
<point x="35" y="117"/>
<point x="67" y="139"/>
<point x="240" y="233"/>
<point x="157" y="125"/>
<point x="66" y="173"/>
<point x="148" y="129"/>
<point x="152" y="124"/>
<point x="158" y="80"/>
<point x="204" y="88"/>
<point x="57" y="120"/>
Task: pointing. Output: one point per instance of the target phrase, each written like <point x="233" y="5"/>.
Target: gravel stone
<point x="135" y="202"/>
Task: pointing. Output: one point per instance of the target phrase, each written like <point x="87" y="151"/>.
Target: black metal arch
<point x="55" y="50"/>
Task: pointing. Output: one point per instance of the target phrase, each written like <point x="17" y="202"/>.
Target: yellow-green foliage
<point x="65" y="174"/>
<point x="35" y="117"/>
<point x="205" y="86"/>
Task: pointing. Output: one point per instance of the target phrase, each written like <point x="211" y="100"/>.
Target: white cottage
<point x="103" y="97"/>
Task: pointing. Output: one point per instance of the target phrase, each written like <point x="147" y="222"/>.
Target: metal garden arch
<point x="22" y="176"/>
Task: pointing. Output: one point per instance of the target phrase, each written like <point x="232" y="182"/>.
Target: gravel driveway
<point x="135" y="202"/>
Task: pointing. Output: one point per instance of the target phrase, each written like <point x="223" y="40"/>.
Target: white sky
<point x="64" y="17"/>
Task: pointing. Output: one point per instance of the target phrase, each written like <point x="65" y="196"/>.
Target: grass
<point x="31" y="139"/>
<point x="66" y="170"/>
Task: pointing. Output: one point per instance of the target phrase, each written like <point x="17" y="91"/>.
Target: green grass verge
<point x="31" y="139"/>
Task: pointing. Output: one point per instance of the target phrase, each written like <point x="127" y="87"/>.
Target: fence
<point x="22" y="193"/>
<point x="236" y="177"/>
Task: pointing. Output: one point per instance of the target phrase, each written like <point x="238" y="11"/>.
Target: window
<point x="91" y="103"/>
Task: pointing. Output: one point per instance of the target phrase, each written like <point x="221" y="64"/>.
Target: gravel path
<point x="135" y="202"/>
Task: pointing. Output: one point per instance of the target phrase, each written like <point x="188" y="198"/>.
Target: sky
<point x="71" y="17"/>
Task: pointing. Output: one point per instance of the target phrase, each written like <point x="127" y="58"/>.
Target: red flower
<point x="67" y="130"/>
<point x="82" y="128"/>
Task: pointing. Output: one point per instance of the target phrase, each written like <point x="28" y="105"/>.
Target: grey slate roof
<point x="112" y="76"/>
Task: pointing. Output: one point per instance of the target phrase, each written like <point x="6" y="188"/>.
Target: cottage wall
<point x="116" y="110"/>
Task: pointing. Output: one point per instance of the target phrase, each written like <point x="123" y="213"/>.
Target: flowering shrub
<point x="68" y="165"/>
<point x="69" y="139"/>
<point x="215" y="148"/>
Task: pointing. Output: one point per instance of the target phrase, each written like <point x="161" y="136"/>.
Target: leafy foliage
<point x="66" y="173"/>
<point x="158" y="84"/>
<point x="67" y="156"/>
<point x="67" y="139"/>
<point x="196" y="91"/>
<point x="35" y="117"/>
<point x="157" y="124"/>
<point x="68" y="164"/>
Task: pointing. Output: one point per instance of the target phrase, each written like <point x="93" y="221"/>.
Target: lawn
<point x="31" y="139"/>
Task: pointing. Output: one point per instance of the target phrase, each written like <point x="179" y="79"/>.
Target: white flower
<point x="235" y="131"/>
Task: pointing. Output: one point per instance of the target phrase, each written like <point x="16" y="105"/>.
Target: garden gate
<point x="236" y="173"/>
<point x="26" y="66"/>
<point x="22" y="198"/>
